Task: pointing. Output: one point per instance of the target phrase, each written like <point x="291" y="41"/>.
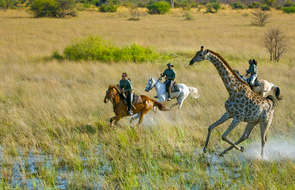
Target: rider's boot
<point x="130" y="99"/>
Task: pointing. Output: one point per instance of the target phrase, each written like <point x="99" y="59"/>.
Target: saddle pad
<point x="175" y="88"/>
<point x="136" y="99"/>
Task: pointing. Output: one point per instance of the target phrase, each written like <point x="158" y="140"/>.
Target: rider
<point x="252" y="70"/>
<point x="170" y="75"/>
<point x="126" y="86"/>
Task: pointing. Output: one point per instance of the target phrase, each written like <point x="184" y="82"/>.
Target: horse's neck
<point x="160" y="87"/>
<point x="116" y="100"/>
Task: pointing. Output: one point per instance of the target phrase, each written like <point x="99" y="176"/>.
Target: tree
<point x="260" y="18"/>
<point x="275" y="43"/>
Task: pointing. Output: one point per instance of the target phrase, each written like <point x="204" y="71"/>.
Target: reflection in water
<point x="26" y="170"/>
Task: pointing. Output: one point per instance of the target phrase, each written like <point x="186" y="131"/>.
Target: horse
<point x="142" y="106"/>
<point x="263" y="87"/>
<point x="180" y="95"/>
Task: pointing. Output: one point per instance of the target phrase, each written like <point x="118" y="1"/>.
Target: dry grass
<point x="57" y="107"/>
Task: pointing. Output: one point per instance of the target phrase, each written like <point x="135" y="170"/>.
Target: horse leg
<point x="223" y="118"/>
<point x="116" y="119"/>
<point x="141" y="117"/>
<point x="245" y="136"/>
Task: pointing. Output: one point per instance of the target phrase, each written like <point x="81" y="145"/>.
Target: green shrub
<point x="288" y="9"/>
<point x="289" y="3"/>
<point x="254" y="5"/>
<point x="53" y="8"/>
<point x="94" y="48"/>
<point x="265" y="7"/>
<point x="188" y="15"/>
<point x="160" y="7"/>
<point x="6" y="4"/>
<point x="212" y="7"/>
<point x="237" y="5"/>
<point x="44" y="8"/>
<point x="108" y="7"/>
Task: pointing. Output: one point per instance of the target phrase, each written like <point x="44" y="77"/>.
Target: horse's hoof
<point x="221" y="155"/>
<point x="242" y="149"/>
<point x="204" y="150"/>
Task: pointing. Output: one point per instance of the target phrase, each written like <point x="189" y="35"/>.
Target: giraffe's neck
<point x="230" y="80"/>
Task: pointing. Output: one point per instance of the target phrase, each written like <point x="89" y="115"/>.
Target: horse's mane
<point x="115" y="87"/>
<point x="228" y="66"/>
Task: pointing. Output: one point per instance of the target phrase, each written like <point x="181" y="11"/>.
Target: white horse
<point x="263" y="86"/>
<point x="180" y="95"/>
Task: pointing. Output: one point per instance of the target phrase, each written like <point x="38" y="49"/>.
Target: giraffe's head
<point x="201" y="55"/>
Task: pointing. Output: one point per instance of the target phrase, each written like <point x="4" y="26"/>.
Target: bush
<point x="254" y="5"/>
<point x="265" y="7"/>
<point x="108" y="7"/>
<point x="160" y="7"/>
<point x="237" y="5"/>
<point x="188" y="15"/>
<point x="289" y="3"/>
<point x="94" y="48"/>
<point x="260" y="18"/>
<point x="6" y="4"/>
<point x="212" y="7"/>
<point x="288" y="9"/>
<point x="53" y="8"/>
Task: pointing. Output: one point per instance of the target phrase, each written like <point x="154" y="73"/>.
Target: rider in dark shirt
<point x="252" y="70"/>
<point x="170" y="75"/>
<point x="126" y="87"/>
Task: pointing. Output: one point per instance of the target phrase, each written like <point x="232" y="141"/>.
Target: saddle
<point x="136" y="99"/>
<point x="175" y="87"/>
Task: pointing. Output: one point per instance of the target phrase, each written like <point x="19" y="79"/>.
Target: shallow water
<point x="25" y="168"/>
<point x="25" y="171"/>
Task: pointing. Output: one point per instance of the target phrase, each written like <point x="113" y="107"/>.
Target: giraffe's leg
<point x="264" y="126"/>
<point x="245" y="136"/>
<point x="233" y="125"/>
<point x="223" y="118"/>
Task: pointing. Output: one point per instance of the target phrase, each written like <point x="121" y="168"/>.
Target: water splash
<point x="274" y="150"/>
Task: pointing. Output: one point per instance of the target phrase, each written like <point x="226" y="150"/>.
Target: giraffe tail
<point x="278" y="93"/>
<point x="274" y="100"/>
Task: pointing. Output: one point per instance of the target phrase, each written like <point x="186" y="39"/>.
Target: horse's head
<point x="201" y="55"/>
<point x="150" y="84"/>
<point x="110" y="93"/>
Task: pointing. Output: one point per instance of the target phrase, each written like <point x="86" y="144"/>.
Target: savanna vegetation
<point x="52" y="110"/>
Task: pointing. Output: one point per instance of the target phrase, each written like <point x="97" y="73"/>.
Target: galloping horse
<point x="141" y="107"/>
<point x="180" y="95"/>
<point x="263" y="86"/>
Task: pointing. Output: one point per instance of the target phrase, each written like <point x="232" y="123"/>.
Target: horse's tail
<point x="274" y="100"/>
<point x="194" y="92"/>
<point x="160" y="106"/>
<point x="277" y="92"/>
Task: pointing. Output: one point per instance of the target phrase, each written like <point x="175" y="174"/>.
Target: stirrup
<point x="130" y="112"/>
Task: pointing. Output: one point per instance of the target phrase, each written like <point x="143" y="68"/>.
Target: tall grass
<point x="57" y="110"/>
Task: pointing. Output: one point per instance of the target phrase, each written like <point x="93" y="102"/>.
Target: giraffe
<point x="243" y="105"/>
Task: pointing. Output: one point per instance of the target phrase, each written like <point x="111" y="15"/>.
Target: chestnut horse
<point x="146" y="104"/>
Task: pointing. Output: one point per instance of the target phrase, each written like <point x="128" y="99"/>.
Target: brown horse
<point x="120" y="108"/>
